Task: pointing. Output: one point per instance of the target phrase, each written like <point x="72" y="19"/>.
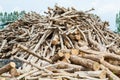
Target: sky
<point x="106" y="9"/>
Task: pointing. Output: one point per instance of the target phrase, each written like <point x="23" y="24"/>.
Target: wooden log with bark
<point x="85" y="62"/>
<point x="64" y="40"/>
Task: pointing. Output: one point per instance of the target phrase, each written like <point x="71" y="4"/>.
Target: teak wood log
<point x="74" y="51"/>
<point x="66" y="35"/>
<point x="3" y="44"/>
<point x="64" y="65"/>
<point x="115" y="69"/>
<point x="113" y="62"/>
<point x="97" y="58"/>
<point x="14" y="72"/>
<point x="57" y="56"/>
<point x="85" y="62"/>
<point x="110" y="73"/>
<point x="112" y="56"/>
<point x="7" y="67"/>
<point x="96" y="74"/>
<point x="66" y="57"/>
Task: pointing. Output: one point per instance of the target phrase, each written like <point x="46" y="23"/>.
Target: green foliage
<point x="118" y="22"/>
<point x="10" y="17"/>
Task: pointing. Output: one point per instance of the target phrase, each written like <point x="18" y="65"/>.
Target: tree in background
<point x="118" y="22"/>
<point x="10" y="17"/>
<point x="5" y="17"/>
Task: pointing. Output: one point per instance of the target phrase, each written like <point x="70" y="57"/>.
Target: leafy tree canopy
<point x="10" y="17"/>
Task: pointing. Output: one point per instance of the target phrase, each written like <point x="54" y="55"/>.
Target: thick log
<point x="96" y="74"/>
<point x="97" y="58"/>
<point x="115" y="69"/>
<point x="64" y="65"/>
<point x="74" y="51"/>
<point x="4" y="62"/>
<point x="85" y="62"/>
<point x="14" y="72"/>
<point x="110" y="73"/>
<point x="57" y="56"/>
<point x="111" y="55"/>
<point x="66" y="57"/>
<point x="7" y="67"/>
<point x="67" y="35"/>
<point x="59" y="74"/>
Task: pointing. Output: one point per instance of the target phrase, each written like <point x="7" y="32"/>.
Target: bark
<point x="7" y="67"/>
<point x="85" y="62"/>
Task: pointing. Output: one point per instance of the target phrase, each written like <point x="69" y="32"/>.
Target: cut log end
<point x="60" y="54"/>
<point x="75" y="51"/>
<point x="14" y="72"/>
<point x="96" y="66"/>
<point x="103" y="74"/>
<point x="12" y="64"/>
<point x="57" y="56"/>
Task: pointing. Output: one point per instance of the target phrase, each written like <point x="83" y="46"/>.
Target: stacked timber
<point x="66" y="44"/>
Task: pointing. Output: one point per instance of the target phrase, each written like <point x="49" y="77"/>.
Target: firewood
<point x="67" y="44"/>
<point x="71" y="36"/>
<point x="33" y="53"/>
<point x="47" y="33"/>
<point x="97" y="58"/>
<point x="3" y="44"/>
<point x="74" y="51"/>
<point x="66" y="60"/>
<point x="52" y="44"/>
<point x="114" y="62"/>
<point x="85" y="62"/>
<point x="4" y="62"/>
<point x="57" y="56"/>
<point x="55" y="40"/>
<point x="14" y="72"/>
<point x="66" y="57"/>
<point x="64" y="65"/>
<point x="110" y="73"/>
<point x="7" y="67"/>
<point x="61" y="42"/>
<point x="58" y="74"/>
<point x="88" y="51"/>
<point x="78" y="37"/>
<point x="112" y="56"/>
<point x="115" y="69"/>
<point x="100" y="74"/>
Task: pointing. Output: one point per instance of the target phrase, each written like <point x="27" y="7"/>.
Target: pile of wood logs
<point x="66" y="44"/>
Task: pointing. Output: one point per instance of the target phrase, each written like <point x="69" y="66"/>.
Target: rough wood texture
<point x="85" y="62"/>
<point x="14" y="72"/>
<point x="7" y="67"/>
<point x="65" y="40"/>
